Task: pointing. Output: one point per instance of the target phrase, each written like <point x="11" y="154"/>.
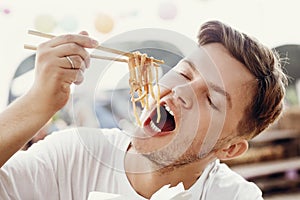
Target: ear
<point x="233" y="149"/>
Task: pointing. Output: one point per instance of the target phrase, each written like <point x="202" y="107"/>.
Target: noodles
<point x="141" y="82"/>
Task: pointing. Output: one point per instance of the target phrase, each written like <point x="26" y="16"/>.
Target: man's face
<point x="202" y="100"/>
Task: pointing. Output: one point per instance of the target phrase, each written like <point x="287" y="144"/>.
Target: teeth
<point x="169" y="109"/>
<point x="154" y="127"/>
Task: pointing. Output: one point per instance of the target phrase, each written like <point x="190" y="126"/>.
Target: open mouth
<point x="166" y="123"/>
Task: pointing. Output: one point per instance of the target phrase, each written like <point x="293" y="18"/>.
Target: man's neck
<point x="146" y="178"/>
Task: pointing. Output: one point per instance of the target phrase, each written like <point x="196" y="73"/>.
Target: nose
<point x="184" y="95"/>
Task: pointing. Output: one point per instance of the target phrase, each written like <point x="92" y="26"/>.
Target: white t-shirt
<point x="69" y="164"/>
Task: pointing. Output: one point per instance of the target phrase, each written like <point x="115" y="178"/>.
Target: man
<point x="223" y="94"/>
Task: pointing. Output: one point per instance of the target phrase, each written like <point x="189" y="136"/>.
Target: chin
<point x="151" y="144"/>
<point x="163" y="151"/>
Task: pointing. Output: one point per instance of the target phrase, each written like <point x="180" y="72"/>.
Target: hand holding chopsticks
<point x="59" y="62"/>
<point x="68" y="53"/>
<point x="102" y="48"/>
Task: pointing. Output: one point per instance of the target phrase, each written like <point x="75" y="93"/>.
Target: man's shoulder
<point x="232" y="185"/>
<point x="77" y="138"/>
<point x="87" y="133"/>
<point x="87" y="136"/>
<point x="91" y="135"/>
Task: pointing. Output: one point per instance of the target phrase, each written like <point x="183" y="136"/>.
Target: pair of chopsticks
<point x="102" y="48"/>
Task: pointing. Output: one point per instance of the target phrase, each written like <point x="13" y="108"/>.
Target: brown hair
<point x="263" y="63"/>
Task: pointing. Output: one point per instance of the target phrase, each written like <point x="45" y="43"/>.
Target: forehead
<point x="215" y="64"/>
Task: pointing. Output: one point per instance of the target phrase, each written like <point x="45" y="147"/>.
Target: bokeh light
<point x="45" y="23"/>
<point x="104" y="23"/>
<point x="167" y="10"/>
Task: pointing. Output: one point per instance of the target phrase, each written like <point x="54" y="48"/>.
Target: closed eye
<point x="211" y="103"/>
<point x="185" y="76"/>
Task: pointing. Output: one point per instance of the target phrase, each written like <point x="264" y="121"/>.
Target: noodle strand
<point x="141" y="83"/>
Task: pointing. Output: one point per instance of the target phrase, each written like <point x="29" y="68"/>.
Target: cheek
<point x="195" y="120"/>
<point x="214" y="131"/>
<point x="194" y="128"/>
<point x="204" y="128"/>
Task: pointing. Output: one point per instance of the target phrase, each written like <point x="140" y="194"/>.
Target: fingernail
<point x="95" y="43"/>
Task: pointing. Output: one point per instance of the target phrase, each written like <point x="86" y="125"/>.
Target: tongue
<point x="166" y="122"/>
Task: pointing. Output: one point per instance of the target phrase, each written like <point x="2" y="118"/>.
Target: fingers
<point x="80" y="39"/>
<point x="74" y="76"/>
<point x="69" y="76"/>
<point x="79" y="77"/>
<point x="78" y="63"/>
<point x="78" y="66"/>
<point x="73" y="62"/>
<point x="74" y="51"/>
<point x="60" y="62"/>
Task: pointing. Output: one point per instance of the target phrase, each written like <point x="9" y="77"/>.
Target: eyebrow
<point x="213" y="86"/>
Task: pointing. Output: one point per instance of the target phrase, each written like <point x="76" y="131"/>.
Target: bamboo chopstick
<point x="47" y="35"/>
<point x="31" y="47"/>
<point x="107" y="49"/>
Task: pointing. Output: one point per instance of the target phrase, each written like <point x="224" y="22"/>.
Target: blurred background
<point x="273" y="161"/>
